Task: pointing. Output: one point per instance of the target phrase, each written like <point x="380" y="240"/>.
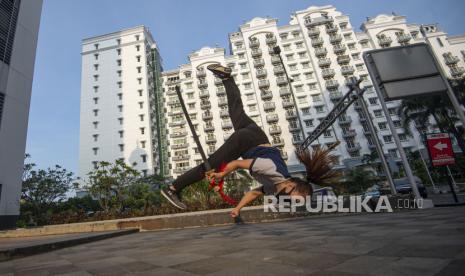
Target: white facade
<point x="116" y="91"/>
<point x="320" y="49"/>
<point x="17" y="56"/>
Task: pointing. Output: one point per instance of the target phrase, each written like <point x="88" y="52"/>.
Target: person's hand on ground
<point x="217" y="176"/>
<point x="235" y="212"/>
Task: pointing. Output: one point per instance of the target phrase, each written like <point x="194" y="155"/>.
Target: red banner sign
<point x="440" y="149"/>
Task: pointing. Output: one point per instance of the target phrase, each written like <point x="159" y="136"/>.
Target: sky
<point x="179" y="27"/>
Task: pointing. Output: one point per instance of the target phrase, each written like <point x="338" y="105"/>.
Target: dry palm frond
<point x="318" y="165"/>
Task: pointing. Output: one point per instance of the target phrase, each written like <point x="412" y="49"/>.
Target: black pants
<point x="246" y="136"/>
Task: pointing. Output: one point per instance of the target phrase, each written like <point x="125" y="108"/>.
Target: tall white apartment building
<point x="118" y="99"/>
<point x="321" y="50"/>
<point x="19" y="28"/>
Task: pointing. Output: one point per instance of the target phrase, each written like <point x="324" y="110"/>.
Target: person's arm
<point x="230" y="167"/>
<point x="246" y="199"/>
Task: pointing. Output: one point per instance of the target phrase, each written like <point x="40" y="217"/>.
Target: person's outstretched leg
<point x="239" y="142"/>
<point x="237" y="114"/>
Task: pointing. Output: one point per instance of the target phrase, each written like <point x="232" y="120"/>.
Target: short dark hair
<point x="302" y="186"/>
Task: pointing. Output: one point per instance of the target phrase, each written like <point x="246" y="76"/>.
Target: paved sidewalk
<point x="423" y="242"/>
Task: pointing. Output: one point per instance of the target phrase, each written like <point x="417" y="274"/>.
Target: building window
<point x="306" y="110"/>
<point x="138" y="58"/>
<point x="118" y="41"/>
<point x="137" y="48"/>
<point x="144" y="158"/>
<point x="137" y="37"/>
<point x="387" y="139"/>
<point x="121" y="147"/>
<point x="120" y="108"/>
<point x="118" y="62"/>
<point x="121" y="133"/>
<point x="309" y="123"/>
<point x="95" y="136"/>
<point x="356" y="56"/>
<point x="142" y="130"/>
<point x="96" y="46"/>
<point x="141" y="116"/>
<point x="95" y="112"/>
<point x="373" y="101"/>
<point x="241" y="55"/>
<point x="378" y="113"/>
<point x="95" y="125"/>
<point x="96" y="100"/>
<point x="120" y="120"/>
<point x="120" y="84"/>
<point x="319" y="109"/>
<point x="140" y="92"/>
<point x="96" y="88"/>
<point x="382" y="126"/>
<point x="142" y="144"/>
<point x="120" y="96"/>
<point x="305" y="65"/>
<point x="440" y="42"/>
<point x="119" y="72"/>
<point x="139" y="80"/>
<point x="139" y="69"/>
<point x="95" y="77"/>
<point x="118" y="51"/>
<point x="96" y="67"/>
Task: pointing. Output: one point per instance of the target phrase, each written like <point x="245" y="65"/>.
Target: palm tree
<point x="420" y="109"/>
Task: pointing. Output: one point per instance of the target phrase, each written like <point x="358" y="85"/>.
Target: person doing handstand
<point x="248" y="141"/>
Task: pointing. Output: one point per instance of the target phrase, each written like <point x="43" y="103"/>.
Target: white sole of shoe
<point x="171" y="201"/>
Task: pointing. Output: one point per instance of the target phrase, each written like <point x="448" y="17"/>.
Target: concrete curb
<point x="180" y="220"/>
<point x="18" y="252"/>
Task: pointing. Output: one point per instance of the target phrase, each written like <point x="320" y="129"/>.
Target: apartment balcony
<point x="332" y="84"/>
<point x="291" y="114"/>
<point x="179" y="146"/>
<point x="262" y="84"/>
<point x="347" y="70"/>
<point x="259" y="62"/>
<point x="328" y="73"/>
<point x="178" y="134"/>
<point x="175" y="112"/>
<point x="344" y="59"/>
<point x="201" y="74"/>
<point x="180" y="157"/>
<point x="335" y="39"/>
<point x="224" y="113"/>
<point x="284" y="92"/>
<point x="372" y="146"/>
<point x="277" y="142"/>
<point x="204" y="94"/>
<point x="220" y="91"/>
<point x="256" y="53"/>
<point x="205" y="105"/>
<point x="335" y="96"/>
<point x="294" y="127"/>
<point x="202" y="84"/>
<point x="296" y="140"/>
<point x="210" y="139"/>
<point x="218" y="81"/>
<point x="207" y="116"/>
<point x="319" y="52"/>
<point x="275" y="60"/>
<point x="177" y="123"/>
<point x="173" y="102"/>
<point x="270" y="50"/>
<point x="226" y="125"/>
<point x="339" y="49"/>
<point x="275" y="130"/>
<point x="449" y="60"/>
<point x="357" y="106"/>
<point x="384" y="41"/>
<point x="288" y="103"/>
<point x="281" y="80"/>
<point x="266" y="95"/>
<point x="278" y="70"/>
<point x="261" y="73"/>
<point x="180" y="170"/>
<point x="210" y="151"/>
<point x="226" y="136"/>
<point x="272" y="118"/>
<point x="344" y="120"/>
<point x="254" y="43"/>
<point x="403" y="38"/>
<point x="349" y="133"/>
<point x="208" y="127"/>
<point x="317" y="21"/>
<point x="269" y="106"/>
<point x="324" y="62"/>
<point x="366" y="132"/>
<point x="362" y="119"/>
<point x="457" y="72"/>
<point x="356" y="147"/>
<point x="222" y="102"/>
<point x="271" y="40"/>
<point x="313" y="32"/>
<point x="331" y="29"/>
<point x="284" y="155"/>
<point x="317" y="42"/>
